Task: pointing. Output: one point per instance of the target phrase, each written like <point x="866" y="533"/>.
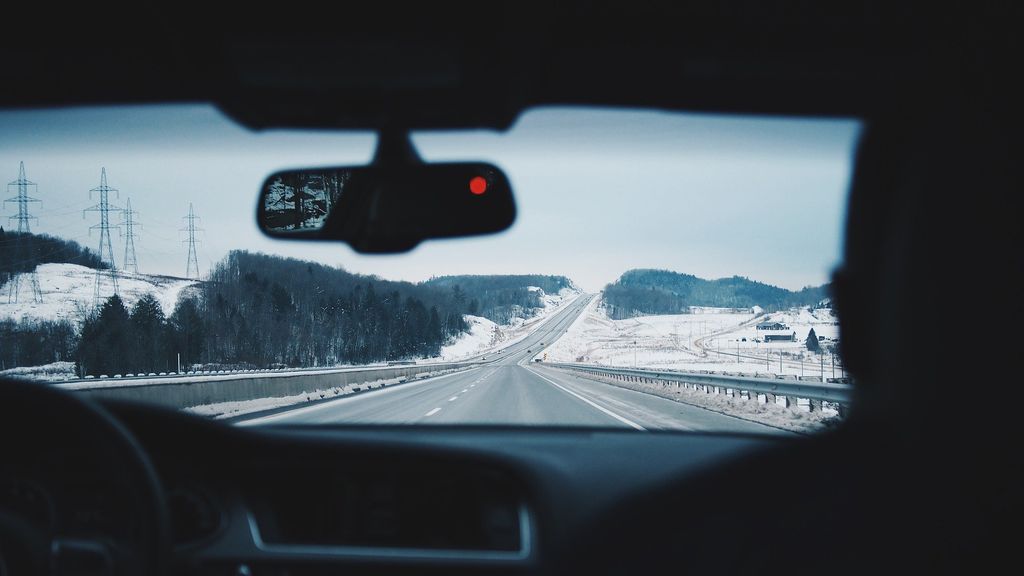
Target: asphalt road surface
<point x="514" y="390"/>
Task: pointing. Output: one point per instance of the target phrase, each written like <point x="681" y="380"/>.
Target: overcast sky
<point x="598" y="191"/>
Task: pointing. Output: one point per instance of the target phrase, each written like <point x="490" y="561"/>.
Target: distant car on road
<point x="537" y="360"/>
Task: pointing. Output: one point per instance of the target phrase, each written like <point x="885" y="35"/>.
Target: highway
<point x="511" y="389"/>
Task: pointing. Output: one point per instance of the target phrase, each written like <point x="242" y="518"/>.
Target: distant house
<point x="776" y="332"/>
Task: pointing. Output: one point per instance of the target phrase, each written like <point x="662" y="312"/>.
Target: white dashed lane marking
<point x="434" y="411"/>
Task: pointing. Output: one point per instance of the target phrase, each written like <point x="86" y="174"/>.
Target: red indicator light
<point x="478" y="185"/>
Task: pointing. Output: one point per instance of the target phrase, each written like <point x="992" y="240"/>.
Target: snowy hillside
<point x="68" y="289"/>
<point x="711" y="339"/>
<point x="485" y="335"/>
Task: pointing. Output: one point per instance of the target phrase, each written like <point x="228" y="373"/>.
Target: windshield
<point x="665" y="271"/>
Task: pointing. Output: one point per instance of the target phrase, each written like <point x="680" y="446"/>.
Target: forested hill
<point x="267" y="309"/>
<point x="22" y="252"/>
<point x="639" y="292"/>
<point x="501" y="298"/>
<point x="258" y="311"/>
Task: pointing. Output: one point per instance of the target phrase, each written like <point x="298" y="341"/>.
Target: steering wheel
<point x="77" y="493"/>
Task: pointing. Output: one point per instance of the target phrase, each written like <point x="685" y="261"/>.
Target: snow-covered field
<point x="719" y="340"/>
<point x="68" y="290"/>
<point x="485" y="335"/>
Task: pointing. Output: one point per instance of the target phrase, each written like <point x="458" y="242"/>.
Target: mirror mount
<point x="395" y="150"/>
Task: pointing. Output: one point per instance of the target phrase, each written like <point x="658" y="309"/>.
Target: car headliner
<point x="452" y="65"/>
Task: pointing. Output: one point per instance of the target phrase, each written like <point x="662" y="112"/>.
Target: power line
<point x="106" y="250"/>
<point x="131" y="263"/>
<point x="24" y="219"/>
<point x="192" y="265"/>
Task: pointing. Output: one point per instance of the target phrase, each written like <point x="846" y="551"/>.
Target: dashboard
<point x="311" y="500"/>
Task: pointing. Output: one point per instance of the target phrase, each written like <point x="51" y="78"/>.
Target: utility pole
<point x="24" y="219"/>
<point x="131" y="263"/>
<point x="192" y="265"/>
<point x="106" y="250"/>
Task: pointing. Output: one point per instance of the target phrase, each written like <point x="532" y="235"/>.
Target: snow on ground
<point x="54" y="371"/>
<point x="790" y="418"/>
<point x="706" y="340"/>
<point x="120" y="381"/>
<point x="486" y="336"/>
<point x="481" y="337"/>
<point x="238" y="408"/>
<point x="719" y="340"/>
<point x="68" y="292"/>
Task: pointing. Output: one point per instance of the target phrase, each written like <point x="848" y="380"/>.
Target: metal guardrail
<point x="828" y="392"/>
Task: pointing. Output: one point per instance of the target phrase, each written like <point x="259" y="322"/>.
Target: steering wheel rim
<point x="40" y="423"/>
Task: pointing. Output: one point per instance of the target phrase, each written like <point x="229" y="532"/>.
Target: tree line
<point x="116" y="340"/>
<point x="640" y="292"/>
<point x="258" y="311"/>
<point x="36" y="342"/>
<point x="501" y="298"/>
<point x="22" y="252"/>
<point x="261" y="311"/>
<point x="265" y="310"/>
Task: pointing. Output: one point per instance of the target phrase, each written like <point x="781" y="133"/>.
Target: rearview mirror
<point x="386" y="208"/>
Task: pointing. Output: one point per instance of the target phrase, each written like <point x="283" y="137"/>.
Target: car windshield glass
<point x="665" y="270"/>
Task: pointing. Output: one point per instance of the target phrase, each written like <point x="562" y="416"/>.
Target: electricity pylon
<point x="192" y="264"/>
<point x="106" y="249"/>
<point x="131" y="263"/>
<point x="24" y="219"/>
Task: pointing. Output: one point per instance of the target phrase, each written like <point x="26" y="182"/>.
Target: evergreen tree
<point x="458" y="296"/>
<point x="812" y="342"/>
<point x="105" y="345"/>
<point x="188" y="332"/>
<point x="149" y="327"/>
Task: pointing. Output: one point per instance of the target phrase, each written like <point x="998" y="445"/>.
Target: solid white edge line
<point x="622" y="419"/>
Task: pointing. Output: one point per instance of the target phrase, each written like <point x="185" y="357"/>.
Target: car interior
<point x="920" y="477"/>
